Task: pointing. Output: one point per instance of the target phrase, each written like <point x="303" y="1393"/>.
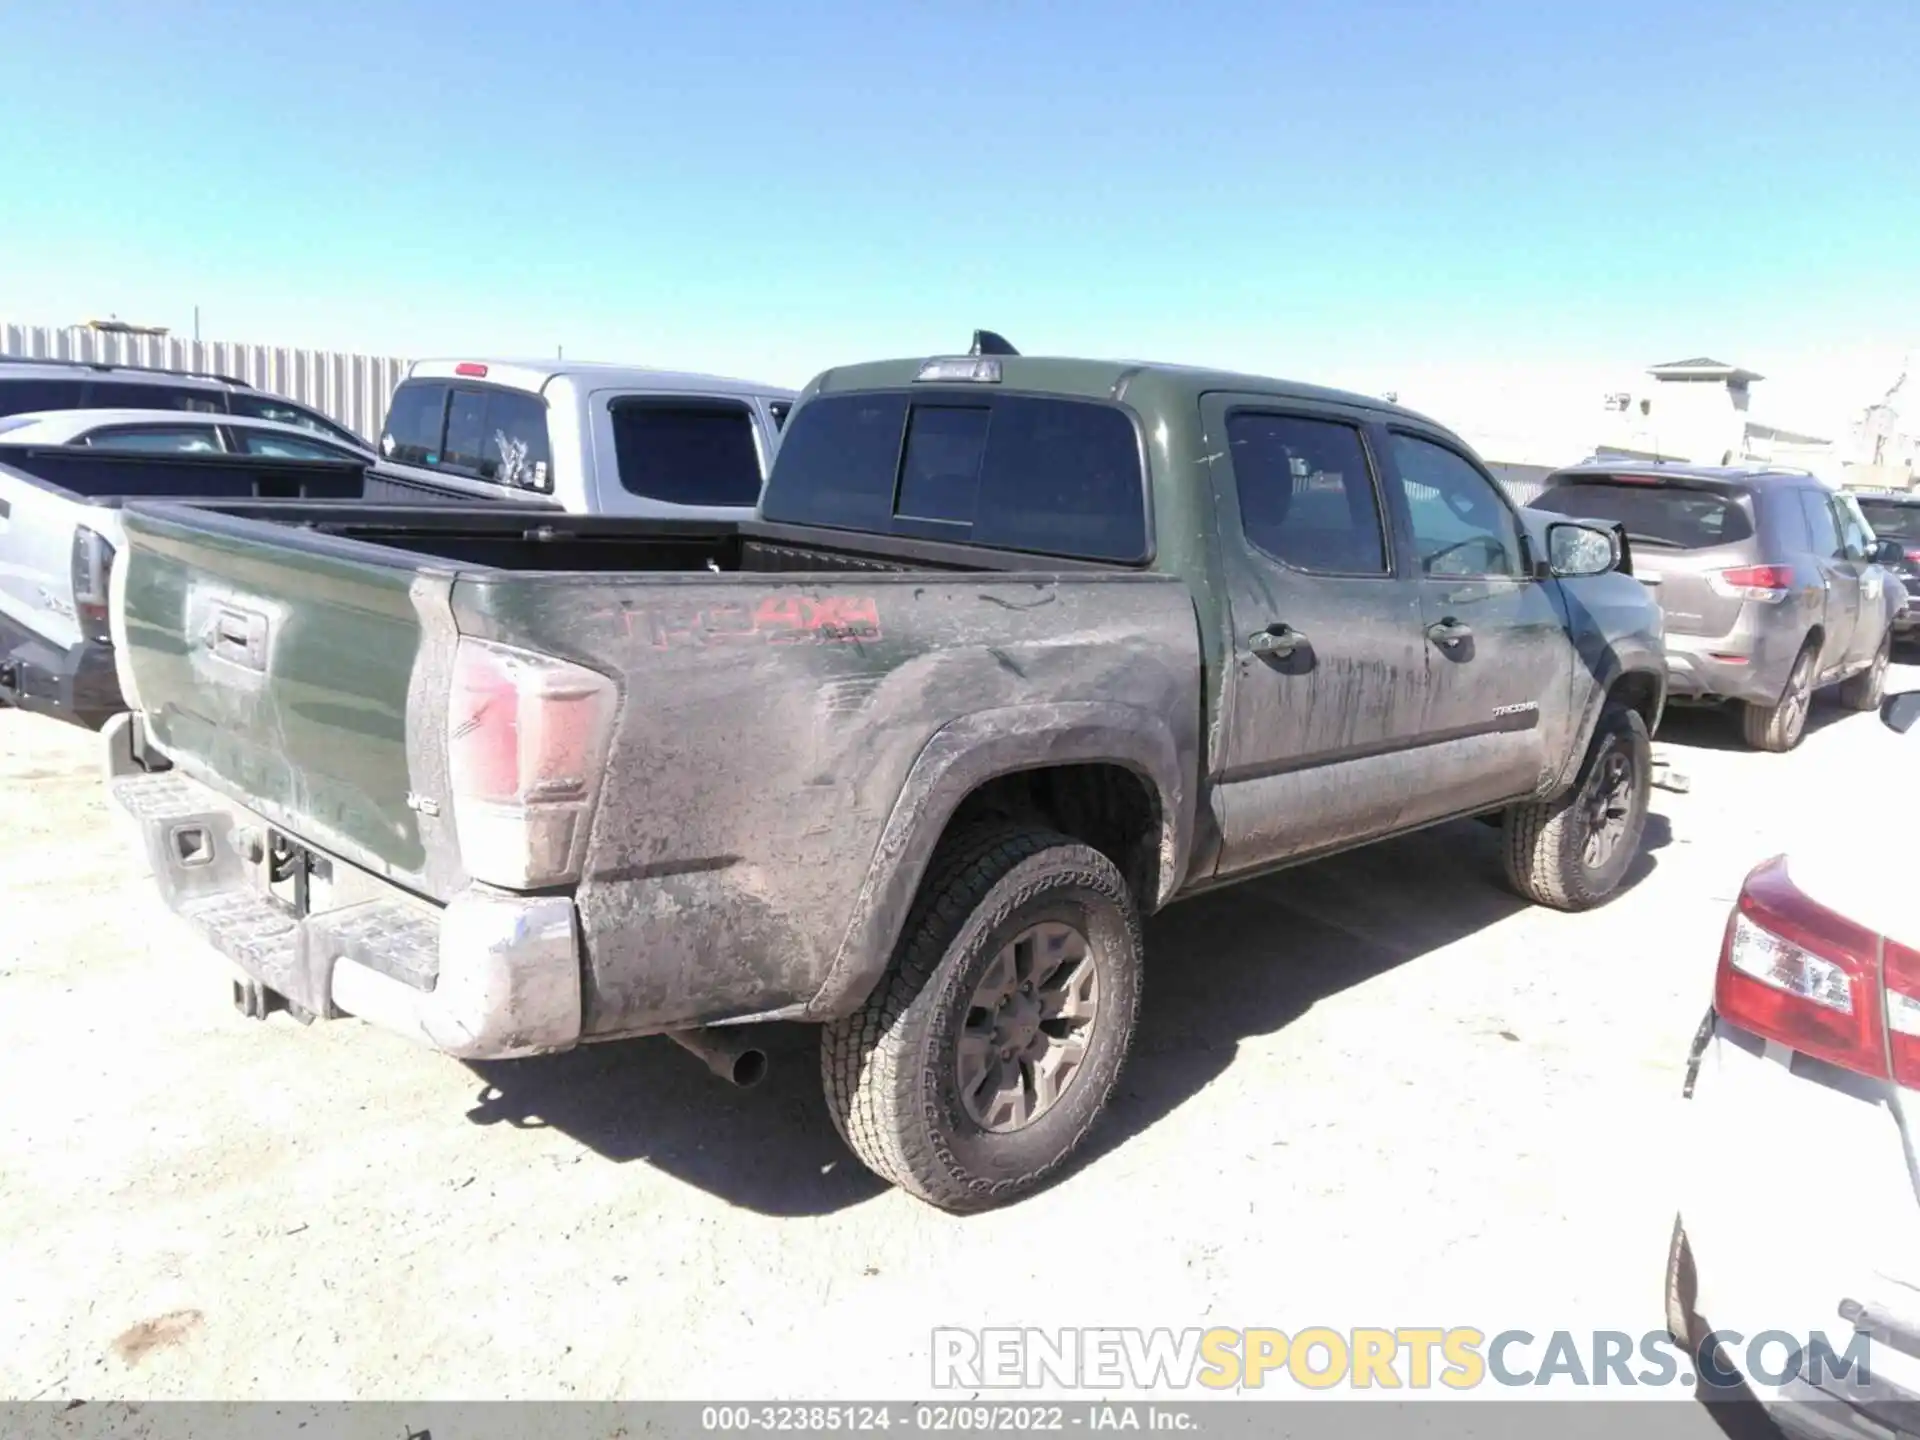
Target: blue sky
<point x="1339" y="192"/>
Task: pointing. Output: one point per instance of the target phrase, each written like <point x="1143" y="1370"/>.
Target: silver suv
<point x="1772" y="584"/>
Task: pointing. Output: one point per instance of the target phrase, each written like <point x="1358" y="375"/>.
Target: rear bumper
<point x="75" y="682"/>
<point x="490" y="975"/>
<point x="1739" y="666"/>
<point x="1758" y="1273"/>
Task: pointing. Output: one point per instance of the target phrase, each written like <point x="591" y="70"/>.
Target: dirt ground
<point x="1373" y="1091"/>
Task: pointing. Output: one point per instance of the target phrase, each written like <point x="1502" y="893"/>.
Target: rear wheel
<point x="1779" y="726"/>
<point x="1572" y="852"/>
<point x="993" y="1042"/>
<point x="1863" y="691"/>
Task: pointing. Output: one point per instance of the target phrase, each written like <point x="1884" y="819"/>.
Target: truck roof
<point x="1109" y="380"/>
<point x="535" y="375"/>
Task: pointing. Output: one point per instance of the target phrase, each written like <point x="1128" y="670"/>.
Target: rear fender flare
<point x="965" y="754"/>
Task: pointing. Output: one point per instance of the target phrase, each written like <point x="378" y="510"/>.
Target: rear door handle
<point x="1449" y="632"/>
<point x="1276" y="642"/>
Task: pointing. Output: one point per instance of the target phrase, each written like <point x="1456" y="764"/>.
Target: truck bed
<point x="776" y="687"/>
<point x="486" y="536"/>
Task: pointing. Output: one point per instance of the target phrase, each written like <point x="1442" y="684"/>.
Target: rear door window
<point x="1044" y="475"/>
<point x="1306" y="493"/>
<point x="686" y="452"/>
<point x="416" y="426"/>
<point x="174" y="439"/>
<point x="23" y="397"/>
<point x="138" y="395"/>
<point x="1672" y="516"/>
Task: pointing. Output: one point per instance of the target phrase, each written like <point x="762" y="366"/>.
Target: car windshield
<point x="1671" y="515"/>
<point x="1891" y="520"/>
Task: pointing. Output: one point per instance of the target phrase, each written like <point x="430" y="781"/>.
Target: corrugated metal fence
<point x="352" y="389"/>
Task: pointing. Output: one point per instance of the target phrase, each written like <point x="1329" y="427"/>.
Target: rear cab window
<point x="1675" y="517"/>
<point x="483" y="432"/>
<point x="686" y="450"/>
<point x="1044" y="475"/>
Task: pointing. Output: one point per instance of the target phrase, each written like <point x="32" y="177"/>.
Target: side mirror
<point x="1575" y="550"/>
<point x="1887" y="552"/>
<point x="1901" y="712"/>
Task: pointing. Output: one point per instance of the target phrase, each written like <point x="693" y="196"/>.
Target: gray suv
<point x="1772" y="584"/>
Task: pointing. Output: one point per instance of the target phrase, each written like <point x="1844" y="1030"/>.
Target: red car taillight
<point x="527" y="748"/>
<point x="1769" y="583"/>
<point x="1792" y="970"/>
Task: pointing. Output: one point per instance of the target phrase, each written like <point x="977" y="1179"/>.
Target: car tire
<point x="896" y="1071"/>
<point x="1865" y="690"/>
<point x="1571" y="852"/>
<point x="1779" y="727"/>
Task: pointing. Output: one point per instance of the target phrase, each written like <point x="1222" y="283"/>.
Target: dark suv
<point x="1772" y="584"/>
<point x="1895" y="515"/>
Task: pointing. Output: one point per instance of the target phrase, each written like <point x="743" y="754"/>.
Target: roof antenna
<point x="985" y="342"/>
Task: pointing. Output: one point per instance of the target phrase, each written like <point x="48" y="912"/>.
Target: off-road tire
<point x="890" y="1068"/>
<point x="1865" y="690"/>
<point x="1777" y="727"/>
<point x="1544" y="841"/>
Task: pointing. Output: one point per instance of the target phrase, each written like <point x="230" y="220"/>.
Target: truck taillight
<point x="92" y="570"/>
<point x="1767" y="583"/>
<point x="1793" y="971"/>
<point x="526" y="748"/>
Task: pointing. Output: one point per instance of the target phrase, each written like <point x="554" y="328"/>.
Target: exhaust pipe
<point x="727" y="1056"/>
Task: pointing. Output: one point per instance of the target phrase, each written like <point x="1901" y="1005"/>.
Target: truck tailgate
<point x="274" y="664"/>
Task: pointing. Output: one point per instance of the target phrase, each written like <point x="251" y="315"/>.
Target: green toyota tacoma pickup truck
<point x="1017" y="651"/>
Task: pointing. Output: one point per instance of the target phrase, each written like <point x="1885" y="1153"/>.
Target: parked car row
<point x="75" y="438"/>
<point x="1013" y="652"/>
<point x="36" y="386"/>
<point x="607" y="703"/>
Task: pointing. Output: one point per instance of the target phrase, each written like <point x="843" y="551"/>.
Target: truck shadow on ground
<point x="1246" y="961"/>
